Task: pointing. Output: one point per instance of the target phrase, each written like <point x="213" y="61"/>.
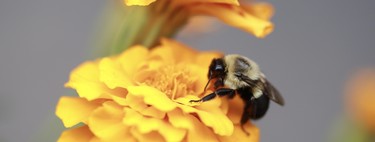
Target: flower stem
<point x="147" y="25"/>
<point x="134" y="21"/>
<point x="154" y="33"/>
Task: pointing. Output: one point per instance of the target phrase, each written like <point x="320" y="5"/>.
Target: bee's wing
<point x="269" y="89"/>
<point x="273" y="94"/>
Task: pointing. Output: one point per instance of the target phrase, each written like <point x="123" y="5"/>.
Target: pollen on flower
<point x="174" y="80"/>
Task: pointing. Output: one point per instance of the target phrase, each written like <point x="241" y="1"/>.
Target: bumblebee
<point x="235" y="74"/>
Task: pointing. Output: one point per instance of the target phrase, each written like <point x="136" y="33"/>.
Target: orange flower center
<point x="174" y="81"/>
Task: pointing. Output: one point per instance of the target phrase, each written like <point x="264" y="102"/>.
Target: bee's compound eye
<point x="219" y="68"/>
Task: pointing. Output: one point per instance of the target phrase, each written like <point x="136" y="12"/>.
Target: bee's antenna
<point x="207" y="83"/>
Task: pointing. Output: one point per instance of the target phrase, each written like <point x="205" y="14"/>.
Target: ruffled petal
<point x="137" y="104"/>
<point x="211" y="115"/>
<point x="200" y="132"/>
<point x="179" y="119"/>
<point x="149" y="69"/>
<point x="153" y="112"/>
<point x="235" y="110"/>
<point x="197" y="130"/>
<point x="148" y="137"/>
<point x="153" y="97"/>
<point x="85" y="80"/>
<point x="131" y="59"/>
<point x="217" y="120"/>
<point x="80" y="134"/>
<point x="149" y="124"/>
<point x="170" y="49"/>
<point x="171" y="133"/>
<point x="138" y="2"/>
<point x="95" y="139"/>
<point x="112" y="74"/>
<point x="240" y="136"/>
<point x="118" y="95"/>
<point x="160" y="55"/>
<point x="106" y="122"/>
<point x="199" y="75"/>
<point x="180" y="2"/>
<point x="236" y="17"/>
<point x="261" y="10"/>
<point x="187" y="2"/>
<point x="72" y="110"/>
<point x="204" y="58"/>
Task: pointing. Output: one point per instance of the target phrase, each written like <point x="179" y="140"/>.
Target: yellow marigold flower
<point x="253" y="18"/>
<point x="361" y="98"/>
<point x="143" y="95"/>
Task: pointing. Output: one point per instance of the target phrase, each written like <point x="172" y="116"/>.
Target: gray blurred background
<point x="316" y="46"/>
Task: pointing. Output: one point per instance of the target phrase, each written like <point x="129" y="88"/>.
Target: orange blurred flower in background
<point x="253" y="18"/>
<point x="361" y="98"/>
<point x="143" y="95"/>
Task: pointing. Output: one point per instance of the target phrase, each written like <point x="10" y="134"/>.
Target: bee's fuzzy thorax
<point x="237" y="64"/>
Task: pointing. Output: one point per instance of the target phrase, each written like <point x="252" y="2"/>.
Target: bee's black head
<point x="217" y="69"/>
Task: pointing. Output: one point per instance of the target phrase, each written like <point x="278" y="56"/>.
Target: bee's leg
<point x="205" y="98"/>
<point x="225" y="91"/>
<point x="220" y="92"/>
<point x="245" y="116"/>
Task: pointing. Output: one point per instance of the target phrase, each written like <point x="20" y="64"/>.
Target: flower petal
<point x="80" y="134"/>
<point x="236" y="17"/>
<point x="180" y="2"/>
<point x="174" y="52"/>
<point x="235" y="110"/>
<point x="149" y="124"/>
<point x="148" y="137"/>
<point x="137" y="104"/>
<point x="199" y="74"/>
<point x="85" y="80"/>
<point x="112" y="74"/>
<point x="211" y="115"/>
<point x="132" y="58"/>
<point x="240" y="136"/>
<point x="179" y="119"/>
<point x="217" y="120"/>
<point x="171" y="133"/>
<point x="261" y="10"/>
<point x="119" y="96"/>
<point x="191" y="2"/>
<point x="95" y="139"/>
<point x="153" y="112"/>
<point x="148" y="69"/>
<point x="204" y="58"/>
<point x="72" y="110"/>
<point x="200" y="132"/>
<point x="138" y="2"/>
<point x="106" y="122"/>
<point x="153" y="97"/>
